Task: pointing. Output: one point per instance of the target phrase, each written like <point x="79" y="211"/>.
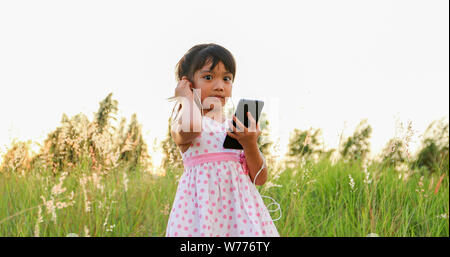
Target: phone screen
<point x="244" y="106"/>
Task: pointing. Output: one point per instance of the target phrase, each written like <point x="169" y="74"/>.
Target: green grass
<point x="316" y="200"/>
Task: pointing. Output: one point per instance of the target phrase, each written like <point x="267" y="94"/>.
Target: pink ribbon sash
<point x="212" y="157"/>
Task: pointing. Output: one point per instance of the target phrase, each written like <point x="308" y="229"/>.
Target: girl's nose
<point x="219" y="86"/>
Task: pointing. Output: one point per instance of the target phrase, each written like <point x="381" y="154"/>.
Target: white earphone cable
<point x="264" y="196"/>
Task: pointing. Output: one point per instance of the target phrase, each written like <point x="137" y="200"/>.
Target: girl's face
<point x="215" y="85"/>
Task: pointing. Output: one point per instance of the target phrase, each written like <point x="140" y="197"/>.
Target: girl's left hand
<point x="245" y="136"/>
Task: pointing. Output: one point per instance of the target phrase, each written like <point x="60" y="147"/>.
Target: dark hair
<point x="201" y="54"/>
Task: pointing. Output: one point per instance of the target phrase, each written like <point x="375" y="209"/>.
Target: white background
<point x="319" y="64"/>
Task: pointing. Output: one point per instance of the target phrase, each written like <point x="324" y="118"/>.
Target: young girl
<point x="216" y="194"/>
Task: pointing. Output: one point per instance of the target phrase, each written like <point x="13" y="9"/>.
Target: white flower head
<point x="351" y="182"/>
<point x="443" y="216"/>
<point x="367" y="179"/>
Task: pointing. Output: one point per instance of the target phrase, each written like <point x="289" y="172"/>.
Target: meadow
<point x="318" y="199"/>
<point x="94" y="178"/>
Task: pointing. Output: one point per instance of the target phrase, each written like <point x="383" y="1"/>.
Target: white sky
<point x="319" y="64"/>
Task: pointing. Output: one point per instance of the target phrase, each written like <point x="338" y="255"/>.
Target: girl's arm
<point x="185" y="133"/>
<point x="248" y="139"/>
<point x="185" y="129"/>
<point x="254" y="163"/>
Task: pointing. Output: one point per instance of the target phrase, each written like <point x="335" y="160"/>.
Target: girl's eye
<point x="209" y="77"/>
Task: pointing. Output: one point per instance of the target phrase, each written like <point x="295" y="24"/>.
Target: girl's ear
<point x="191" y="85"/>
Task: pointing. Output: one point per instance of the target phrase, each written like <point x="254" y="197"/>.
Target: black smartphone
<point x="244" y="106"/>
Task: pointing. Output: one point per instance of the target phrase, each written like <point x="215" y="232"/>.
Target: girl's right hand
<point x="184" y="88"/>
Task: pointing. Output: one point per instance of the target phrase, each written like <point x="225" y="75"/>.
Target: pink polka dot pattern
<point x="217" y="198"/>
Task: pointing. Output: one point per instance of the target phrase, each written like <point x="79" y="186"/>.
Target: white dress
<point x="215" y="196"/>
